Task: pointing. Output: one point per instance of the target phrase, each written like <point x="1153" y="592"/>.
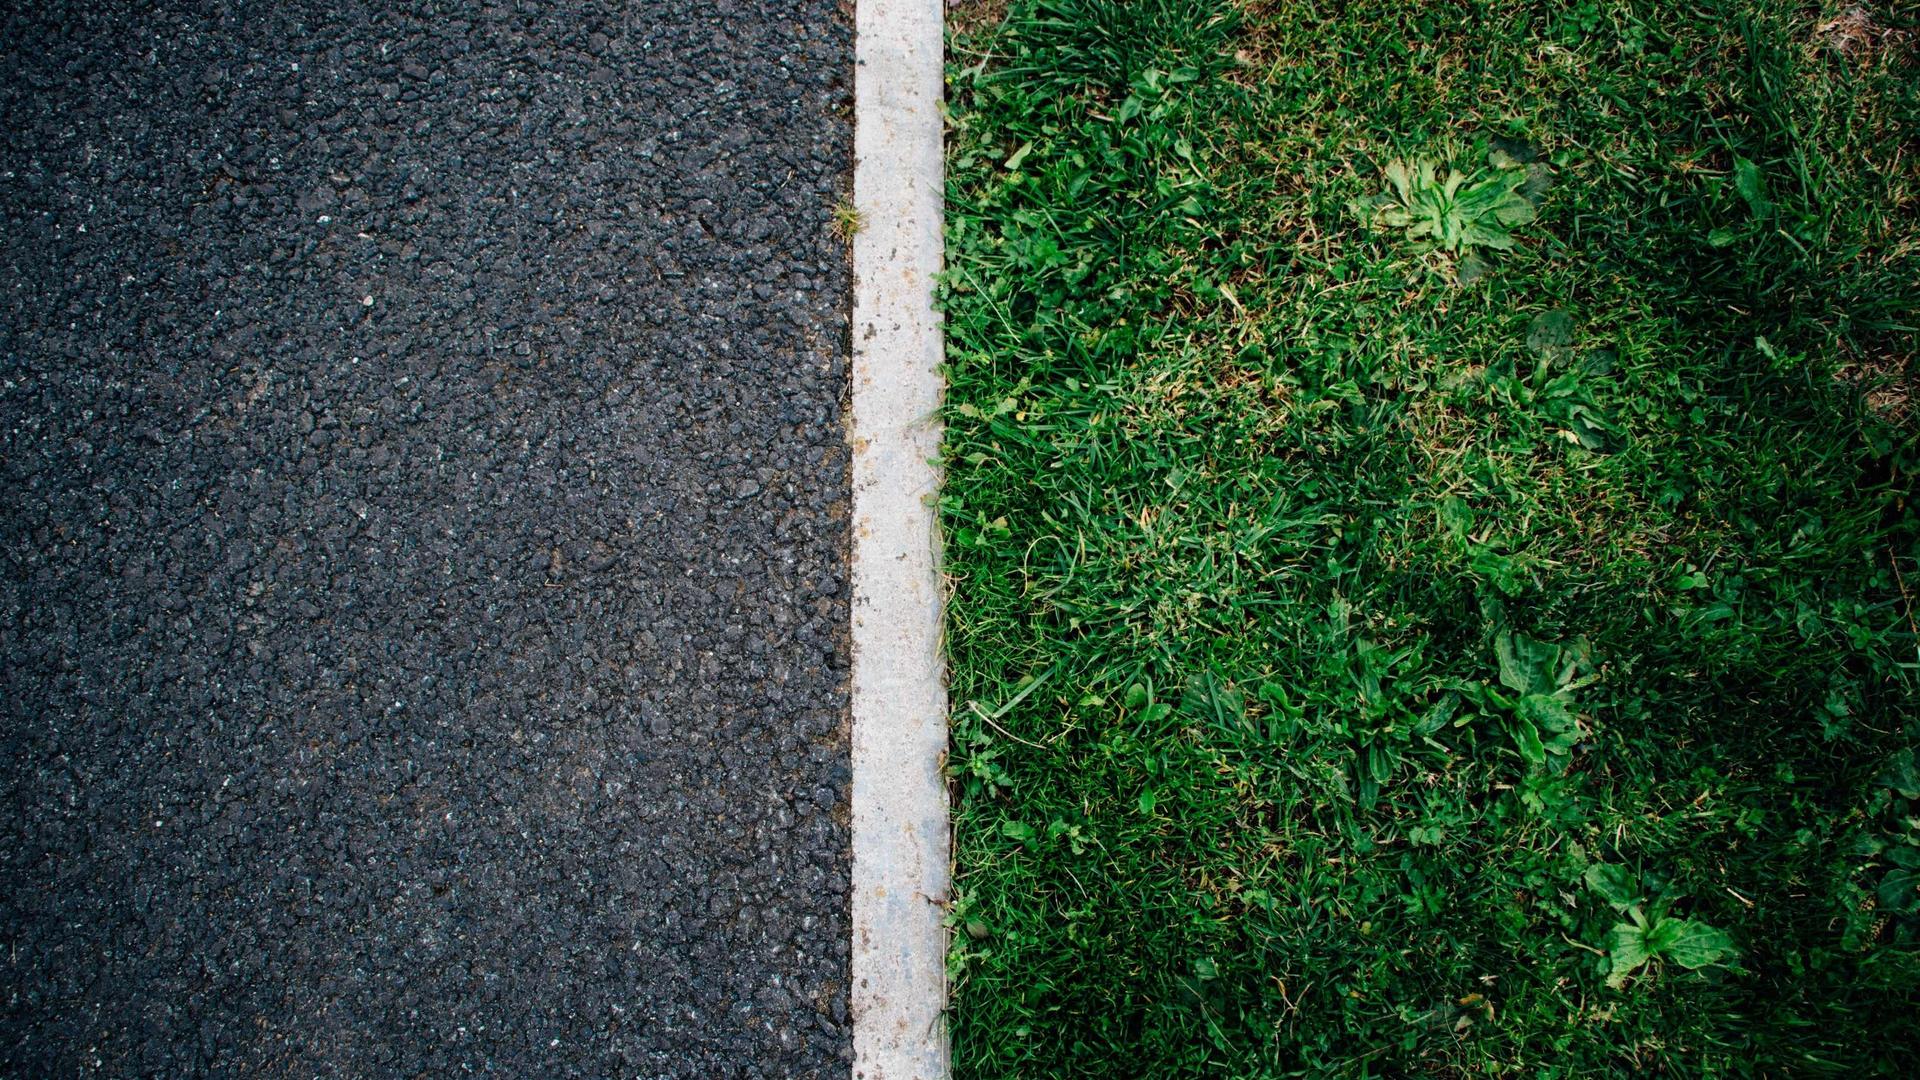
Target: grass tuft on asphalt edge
<point x="1411" y="626"/>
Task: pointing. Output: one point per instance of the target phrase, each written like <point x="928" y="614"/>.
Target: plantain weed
<point x="1443" y="208"/>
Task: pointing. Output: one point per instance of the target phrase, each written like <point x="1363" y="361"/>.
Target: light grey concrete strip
<point x="900" y="837"/>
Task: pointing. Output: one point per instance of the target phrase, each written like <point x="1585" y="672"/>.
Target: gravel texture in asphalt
<point x="425" y="524"/>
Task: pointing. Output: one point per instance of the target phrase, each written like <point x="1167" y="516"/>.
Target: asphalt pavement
<point x="425" y="528"/>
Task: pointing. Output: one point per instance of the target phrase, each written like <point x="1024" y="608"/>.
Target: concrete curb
<point x="900" y="837"/>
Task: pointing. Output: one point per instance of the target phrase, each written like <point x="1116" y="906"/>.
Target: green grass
<point x="1355" y="643"/>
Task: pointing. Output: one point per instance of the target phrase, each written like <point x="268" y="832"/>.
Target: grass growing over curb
<point x="1372" y="658"/>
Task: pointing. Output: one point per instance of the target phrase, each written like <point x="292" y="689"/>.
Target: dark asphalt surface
<point x="424" y="536"/>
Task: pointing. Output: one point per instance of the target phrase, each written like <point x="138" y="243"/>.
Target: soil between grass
<point x="1372" y="661"/>
<point x="425" y="521"/>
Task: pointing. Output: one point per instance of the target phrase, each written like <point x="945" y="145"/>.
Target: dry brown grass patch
<point x="1856" y="35"/>
<point x="968" y="17"/>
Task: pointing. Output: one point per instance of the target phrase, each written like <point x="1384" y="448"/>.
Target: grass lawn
<point x="1479" y="649"/>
